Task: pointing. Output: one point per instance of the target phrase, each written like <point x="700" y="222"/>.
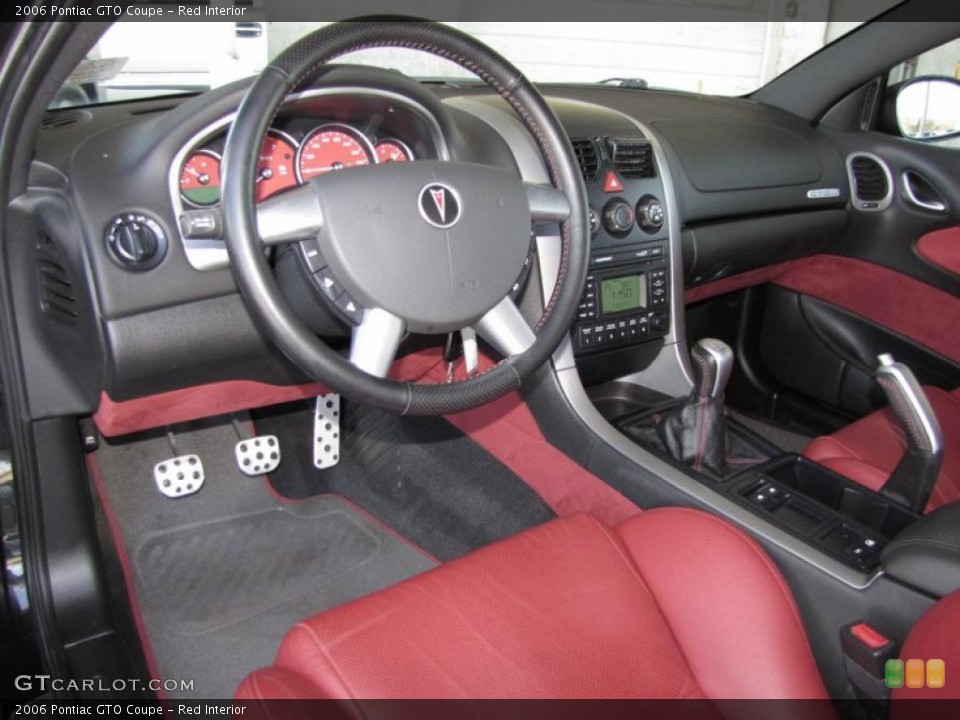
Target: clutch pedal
<point x="326" y="431"/>
<point x="180" y="476"/>
<point x="258" y="455"/>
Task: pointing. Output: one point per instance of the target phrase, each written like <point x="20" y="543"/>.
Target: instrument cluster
<point x="291" y="156"/>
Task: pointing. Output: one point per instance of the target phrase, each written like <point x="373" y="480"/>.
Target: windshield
<point x="137" y="60"/>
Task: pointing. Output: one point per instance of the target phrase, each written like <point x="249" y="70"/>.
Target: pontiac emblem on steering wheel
<point x="440" y="205"/>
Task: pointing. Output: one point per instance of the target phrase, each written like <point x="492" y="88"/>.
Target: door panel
<point x="830" y="354"/>
<point x="892" y="285"/>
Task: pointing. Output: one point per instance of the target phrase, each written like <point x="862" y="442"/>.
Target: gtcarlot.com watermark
<point x="46" y="683"/>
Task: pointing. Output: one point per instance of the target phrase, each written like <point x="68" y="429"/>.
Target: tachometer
<point x="275" y="167"/>
<point x="392" y="151"/>
<point x="330" y="148"/>
<point x="200" y="178"/>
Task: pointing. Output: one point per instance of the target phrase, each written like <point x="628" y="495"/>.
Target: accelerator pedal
<point x="326" y="431"/>
<point x="258" y="455"/>
<point x="179" y="476"/>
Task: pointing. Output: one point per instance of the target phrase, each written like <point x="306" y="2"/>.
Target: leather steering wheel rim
<point x="255" y="279"/>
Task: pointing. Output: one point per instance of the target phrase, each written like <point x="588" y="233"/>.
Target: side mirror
<point x="928" y="108"/>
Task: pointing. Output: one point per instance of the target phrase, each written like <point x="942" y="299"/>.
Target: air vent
<point x="57" y="297"/>
<point x="870" y="182"/>
<point x="586" y="153"/>
<point x="63" y="118"/>
<point x="633" y="158"/>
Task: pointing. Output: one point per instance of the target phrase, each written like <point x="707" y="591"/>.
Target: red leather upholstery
<point x="936" y="636"/>
<point x="670" y="604"/>
<point x="868" y="450"/>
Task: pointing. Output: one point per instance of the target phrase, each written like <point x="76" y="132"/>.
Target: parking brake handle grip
<point x="913" y="479"/>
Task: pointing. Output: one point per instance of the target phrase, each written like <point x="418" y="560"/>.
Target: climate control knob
<point x="650" y="214"/>
<point x="618" y="217"/>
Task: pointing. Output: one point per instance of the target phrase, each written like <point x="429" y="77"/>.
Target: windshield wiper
<point x="629" y="83"/>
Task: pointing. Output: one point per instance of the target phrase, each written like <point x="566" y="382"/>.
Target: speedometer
<point x="330" y="148"/>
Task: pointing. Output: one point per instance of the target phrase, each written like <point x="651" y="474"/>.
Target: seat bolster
<point x="868" y="450"/>
<point x="935" y="636"/>
<point x="558" y="611"/>
<point x="830" y="454"/>
<point x="726" y="603"/>
<point x="278" y="683"/>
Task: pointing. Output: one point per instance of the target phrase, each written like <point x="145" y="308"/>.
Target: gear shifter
<point x="695" y="432"/>
<point x="712" y="365"/>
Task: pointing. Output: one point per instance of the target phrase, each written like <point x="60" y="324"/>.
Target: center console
<point x="626" y="298"/>
<point x="839" y="517"/>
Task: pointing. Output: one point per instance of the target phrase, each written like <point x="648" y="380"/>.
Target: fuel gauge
<point x="392" y="151"/>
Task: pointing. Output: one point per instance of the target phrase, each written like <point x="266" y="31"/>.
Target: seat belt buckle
<point x="865" y="654"/>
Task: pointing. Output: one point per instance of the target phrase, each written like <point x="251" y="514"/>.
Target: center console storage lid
<point x="926" y="554"/>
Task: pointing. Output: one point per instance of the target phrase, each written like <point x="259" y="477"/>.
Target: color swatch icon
<point x="915" y="674"/>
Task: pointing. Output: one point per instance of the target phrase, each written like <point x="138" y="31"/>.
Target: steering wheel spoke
<point x="376" y="341"/>
<point x="290" y="216"/>
<point x="506" y="329"/>
<point x="547" y="204"/>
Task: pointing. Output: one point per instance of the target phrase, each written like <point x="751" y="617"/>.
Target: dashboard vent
<point x="586" y="153"/>
<point x="63" y="118"/>
<point x="57" y="297"/>
<point x="632" y="158"/>
<point x="870" y="182"/>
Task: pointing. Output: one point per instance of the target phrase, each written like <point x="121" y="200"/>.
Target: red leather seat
<point x="671" y="603"/>
<point x="935" y="636"/>
<point x="868" y="450"/>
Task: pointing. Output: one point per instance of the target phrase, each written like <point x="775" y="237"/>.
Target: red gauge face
<point x="392" y="151"/>
<point x="329" y="149"/>
<point x="275" y="167"/>
<point x="200" y="179"/>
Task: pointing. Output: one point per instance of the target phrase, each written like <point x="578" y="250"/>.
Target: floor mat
<point x="420" y="475"/>
<point x="220" y="576"/>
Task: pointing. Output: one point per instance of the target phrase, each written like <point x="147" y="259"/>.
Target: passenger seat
<point x="868" y="450"/>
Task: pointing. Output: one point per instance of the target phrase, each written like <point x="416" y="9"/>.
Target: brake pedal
<point x="326" y="431"/>
<point x="258" y="455"/>
<point x="180" y="476"/>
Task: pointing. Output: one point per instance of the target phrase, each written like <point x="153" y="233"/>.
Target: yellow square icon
<point x="936" y="674"/>
<point x="915" y="673"/>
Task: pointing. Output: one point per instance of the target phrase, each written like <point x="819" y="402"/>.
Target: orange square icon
<point x="936" y="674"/>
<point x="915" y="673"/>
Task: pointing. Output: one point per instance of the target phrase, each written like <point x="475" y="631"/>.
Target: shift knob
<point x="712" y="364"/>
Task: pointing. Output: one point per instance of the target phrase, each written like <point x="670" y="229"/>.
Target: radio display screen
<point x="623" y="293"/>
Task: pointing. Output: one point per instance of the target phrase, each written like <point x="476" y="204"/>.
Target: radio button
<point x="586" y="337"/>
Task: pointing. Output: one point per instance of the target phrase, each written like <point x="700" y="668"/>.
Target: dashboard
<point x="676" y="184"/>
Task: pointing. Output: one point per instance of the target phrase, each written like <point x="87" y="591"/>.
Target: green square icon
<point x="893" y="673"/>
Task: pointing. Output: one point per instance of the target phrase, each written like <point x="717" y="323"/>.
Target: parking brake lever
<point x="913" y="479"/>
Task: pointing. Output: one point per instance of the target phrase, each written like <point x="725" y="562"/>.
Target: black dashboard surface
<point x="730" y="160"/>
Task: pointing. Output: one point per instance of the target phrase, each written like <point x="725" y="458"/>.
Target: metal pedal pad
<point x="326" y="431"/>
<point x="258" y="455"/>
<point x="180" y="476"/>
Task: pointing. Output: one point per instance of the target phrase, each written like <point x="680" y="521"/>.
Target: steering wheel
<point x="425" y="247"/>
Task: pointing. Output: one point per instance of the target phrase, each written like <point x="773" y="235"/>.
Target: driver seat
<point x="672" y="603"/>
